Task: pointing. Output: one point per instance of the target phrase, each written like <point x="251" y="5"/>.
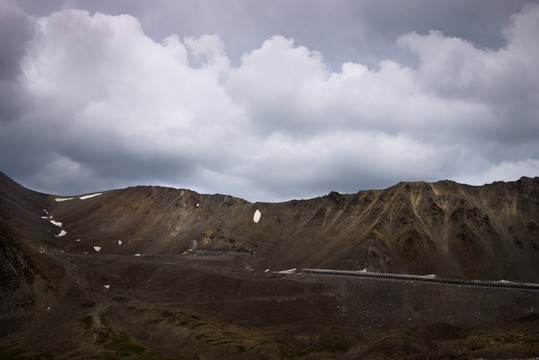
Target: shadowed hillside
<point x="126" y="274"/>
<point x="443" y="228"/>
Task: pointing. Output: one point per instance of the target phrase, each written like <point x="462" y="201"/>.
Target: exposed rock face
<point x="48" y="261"/>
<point x="443" y="228"/>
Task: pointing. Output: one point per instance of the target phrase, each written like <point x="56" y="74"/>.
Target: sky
<point x="267" y="100"/>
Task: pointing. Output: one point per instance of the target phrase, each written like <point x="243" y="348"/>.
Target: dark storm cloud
<point x="359" y="31"/>
<point x="15" y="31"/>
<point x="284" y="99"/>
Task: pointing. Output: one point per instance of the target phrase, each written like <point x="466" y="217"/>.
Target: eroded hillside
<point x="443" y="228"/>
<point x="123" y="274"/>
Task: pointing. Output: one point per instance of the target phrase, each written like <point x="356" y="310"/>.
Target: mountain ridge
<point x="117" y="274"/>
<point x="446" y="228"/>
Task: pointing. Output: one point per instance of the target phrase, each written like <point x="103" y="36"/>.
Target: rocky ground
<point x="150" y="297"/>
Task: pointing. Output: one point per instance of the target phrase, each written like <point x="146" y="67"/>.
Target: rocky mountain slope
<point x="442" y="228"/>
<point x="120" y="274"/>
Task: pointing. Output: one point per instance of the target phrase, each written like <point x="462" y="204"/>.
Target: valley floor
<point x="223" y="307"/>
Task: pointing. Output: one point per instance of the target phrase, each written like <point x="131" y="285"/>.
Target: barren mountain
<point x="443" y="228"/>
<point x="154" y="272"/>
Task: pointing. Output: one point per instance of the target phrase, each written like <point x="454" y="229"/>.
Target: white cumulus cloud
<point x="106" y="106"/>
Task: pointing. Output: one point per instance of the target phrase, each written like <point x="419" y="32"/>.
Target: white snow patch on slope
<point x="84" y="197"/>
<point x="63" y="199"/>
<point x="57" y="223"/>
<point x="256" y="216"/>
<point x="107" y="286"/>
<point x="119" y="242"/>
<point x="97" y="248"/>
<point x="62" y="233"/>
<point x="289" y="271"/>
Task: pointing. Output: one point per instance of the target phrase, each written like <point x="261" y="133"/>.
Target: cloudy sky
<point x="267" y="100"/>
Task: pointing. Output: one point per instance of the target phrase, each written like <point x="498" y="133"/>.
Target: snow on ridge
<point x="57" y="223"/>
<point x="84" y="197"/>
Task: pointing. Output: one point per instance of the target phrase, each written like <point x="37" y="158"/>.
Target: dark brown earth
<point x="60" y="298"/>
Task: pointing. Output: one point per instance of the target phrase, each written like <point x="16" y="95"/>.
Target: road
<point x="423" y="279"/>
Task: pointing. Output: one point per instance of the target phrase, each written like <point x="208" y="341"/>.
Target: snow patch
<point x="137" y="254"/>
<point x="289" y="271"/>
<point x="256" y="216"/>
<point x="63" y="199"/>
<point x="84" y="197"/>
<point x="77" y="240"/>
<point x="97" y="248"/>
<point x="107" y="286"/>
<point x="62" y="233"/>
<point x="44" y="217"/>
<point x="120" y="242"/>
<point x="57" y="223"/>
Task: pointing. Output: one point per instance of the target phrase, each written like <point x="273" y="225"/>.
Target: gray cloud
<point x="362" y="31"/>
<point x="108" y="100"/>
<point x="15" y="31"/>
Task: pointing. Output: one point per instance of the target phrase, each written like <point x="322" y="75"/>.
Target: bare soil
<point x="62" y="299"/>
